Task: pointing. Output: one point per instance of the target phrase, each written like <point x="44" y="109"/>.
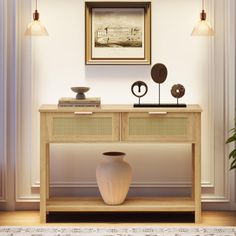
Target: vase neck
<point x="113" y="158"/>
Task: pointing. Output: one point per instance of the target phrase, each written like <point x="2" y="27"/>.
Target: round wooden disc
<point x="159" y="73"/>
<point x="177" y="90"/>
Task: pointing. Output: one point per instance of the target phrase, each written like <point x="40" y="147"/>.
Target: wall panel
<point x="50" y="66"/>
<point x="2" y="105"/>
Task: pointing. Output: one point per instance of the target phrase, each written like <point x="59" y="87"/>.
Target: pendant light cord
<point x="203" y="13"/>
<point x="36" y="14"/>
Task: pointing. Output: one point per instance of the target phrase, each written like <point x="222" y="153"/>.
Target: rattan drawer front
<point x="84" y="128"/>
<point x="157" y="128"/>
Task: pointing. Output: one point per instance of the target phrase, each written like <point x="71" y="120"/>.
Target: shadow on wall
<point x="119" y="72"/>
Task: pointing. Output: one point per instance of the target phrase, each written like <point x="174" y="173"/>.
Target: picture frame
<point x="117" y="33"/>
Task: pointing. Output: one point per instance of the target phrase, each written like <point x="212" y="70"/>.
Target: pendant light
<point x="203" y="28"/>
<point x="35" y="28"/>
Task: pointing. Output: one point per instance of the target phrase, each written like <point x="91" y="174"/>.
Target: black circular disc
<point x="177" y="90"/>
<point x="159" y="73"/>
<point x="139" y="84"/>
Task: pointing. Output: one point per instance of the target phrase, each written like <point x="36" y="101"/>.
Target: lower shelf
<point x="131" y="204"/>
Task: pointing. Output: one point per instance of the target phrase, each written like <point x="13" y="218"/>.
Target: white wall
<point x="58" y="64"/>
<point x="59" y="59"/>
<point x="49" y="66"/>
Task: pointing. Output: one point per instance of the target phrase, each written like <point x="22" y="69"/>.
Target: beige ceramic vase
<point x="113" y="177"/>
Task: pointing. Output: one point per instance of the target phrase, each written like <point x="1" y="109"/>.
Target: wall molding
<point x="3" y="161"/>
<point x="215" y="199"/>
<point x="210" y="4"/>
<point x="224" y="89"/>
<point x="9" y="95"/>
<point x="222" y="77"/>
<point x="83" y="184"/>
<point x="230" y="89"/>
<point x="23" y="199"/>
<point x="24" y="104"/>
<point x="149" y="184"/>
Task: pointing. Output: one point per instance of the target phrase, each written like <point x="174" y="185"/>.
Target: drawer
<point x="83" y="126"/>
<point x="154" y="126"/>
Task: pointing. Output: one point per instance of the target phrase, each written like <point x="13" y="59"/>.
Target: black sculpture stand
<point x="158" y="73"/>
<point x="160" y="105"/>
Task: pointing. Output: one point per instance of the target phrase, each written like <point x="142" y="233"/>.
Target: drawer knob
<point x="83" y="112"/>
<point x="157" y="113"/>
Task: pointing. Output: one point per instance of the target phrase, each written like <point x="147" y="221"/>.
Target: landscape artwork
<point x="118" y="33"/>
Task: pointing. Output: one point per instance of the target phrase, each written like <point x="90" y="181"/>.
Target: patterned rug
<point x="117" y="231"/>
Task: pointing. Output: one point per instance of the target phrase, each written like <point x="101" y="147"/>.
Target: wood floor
<point x="24" y="218"/>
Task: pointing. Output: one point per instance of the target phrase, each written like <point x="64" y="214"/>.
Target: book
<point x="73" y="102"/>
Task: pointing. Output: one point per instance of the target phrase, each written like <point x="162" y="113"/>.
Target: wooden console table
<point x="120" y="123"/>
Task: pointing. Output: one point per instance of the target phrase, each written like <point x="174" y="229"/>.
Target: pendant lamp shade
<point x="203" y="27"/>
<point x="35" y="28"/>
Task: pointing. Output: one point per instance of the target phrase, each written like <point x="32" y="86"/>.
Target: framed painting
<point x="118" y="33"/>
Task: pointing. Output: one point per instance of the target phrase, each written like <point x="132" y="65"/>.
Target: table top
<point x="119" y="108"/>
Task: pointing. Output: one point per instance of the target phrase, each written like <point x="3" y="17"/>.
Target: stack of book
<point x="73" y="102"/>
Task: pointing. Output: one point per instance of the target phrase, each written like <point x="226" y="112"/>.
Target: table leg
<point x="196" y="186"/>
<point x="43" y="180"/>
